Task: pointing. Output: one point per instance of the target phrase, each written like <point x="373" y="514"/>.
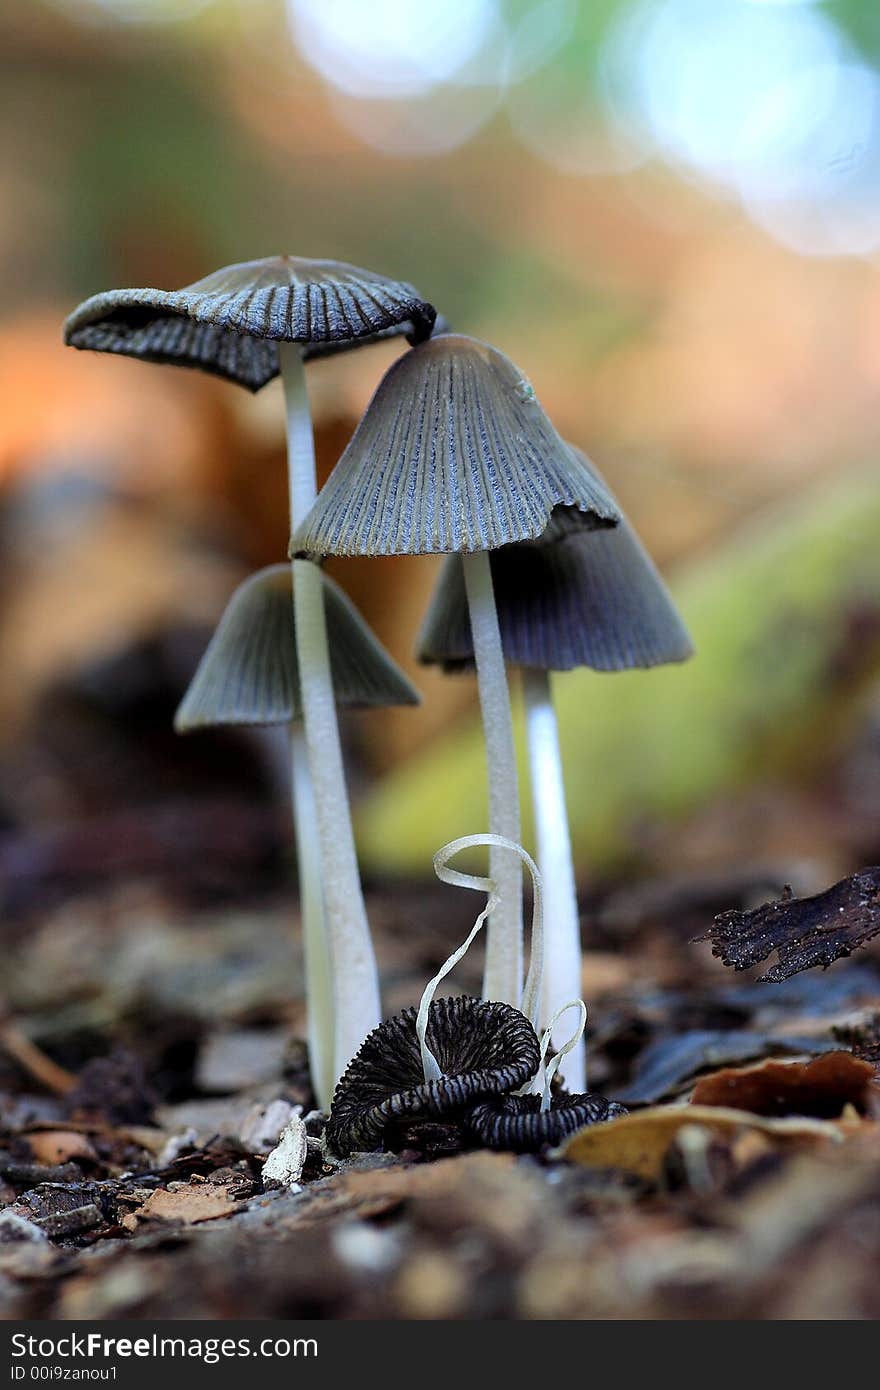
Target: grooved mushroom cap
<point x="229" y="323"/>
<point x="483" y="1049"/>
<point x="571" y="598"/>
<point x="518" y="1123"/>
<point x="249" y="673"/>
<point x="453" y="454"/>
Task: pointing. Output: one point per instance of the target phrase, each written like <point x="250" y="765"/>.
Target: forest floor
<point x="150" y="1057"/>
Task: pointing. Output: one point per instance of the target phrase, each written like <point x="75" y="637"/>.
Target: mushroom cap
<point x="454" y="454"/>
<point x="249" y="673"/>
<point x="518" y="1123"/>
<point x="572" y="598"/>
<point x="483" y="1049"/>
<point x="229" y="323"/>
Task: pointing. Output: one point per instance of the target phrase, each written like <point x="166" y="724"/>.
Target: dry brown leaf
<point x="201" y="1202"/>
<point x="639" y="1143"/>
<point x="53" y="1146"/>
<point x="822" y="1087"/>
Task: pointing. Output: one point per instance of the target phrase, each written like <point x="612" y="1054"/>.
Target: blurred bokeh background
<point x="666" y="211"/>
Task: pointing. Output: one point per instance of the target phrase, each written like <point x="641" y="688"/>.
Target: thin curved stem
<point x="481" y="884"/>
<point x="562" y="947"/>
<point x="354" y="977"/>
<point x="502" y="977"/>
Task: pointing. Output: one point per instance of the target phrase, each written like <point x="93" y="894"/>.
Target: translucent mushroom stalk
<point x="502" y="976"/>
<point x="316" y="947"/>
<point x="562" y="958"/>
<point x="340" y="943"/>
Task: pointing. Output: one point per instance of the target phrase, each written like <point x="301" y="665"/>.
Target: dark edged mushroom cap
<point x="518" y="1123"/>
<point x="571" y="598"/>
<point x="230" y="322"/>
<point x="249" y="673"/>
<point x="483" y="1049"/>
<point x="454" y="454"/>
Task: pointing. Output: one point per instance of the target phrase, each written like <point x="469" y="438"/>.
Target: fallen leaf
<point x="804" y="932"/>
<point x="190" y="1205"/>
<point x="821" y="1088"/>
<point x="53" y="1146"/>
<point x="639" y="1143"/>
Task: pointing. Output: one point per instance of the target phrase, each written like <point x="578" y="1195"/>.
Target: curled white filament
<point x="481" y="884"/>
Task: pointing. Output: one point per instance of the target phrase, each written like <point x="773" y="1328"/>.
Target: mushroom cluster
<point x="454" y="456"/>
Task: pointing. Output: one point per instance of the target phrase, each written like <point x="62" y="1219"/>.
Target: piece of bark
<point x="804" y="932"/>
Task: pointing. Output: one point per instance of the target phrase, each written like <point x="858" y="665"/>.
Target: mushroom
<point x="249" y="675"/>
<point x="571" y="598"/>
<point x="435" y="1061"/>
<point x="247" y="323"/>
<point x="468" y="1062"/>
<point x="482" y="1049"/>
<point x="455" y="455"/>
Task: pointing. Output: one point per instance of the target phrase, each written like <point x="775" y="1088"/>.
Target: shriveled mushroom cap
<point x="230" y="322"/>
<point x="454" y="454"/>
<point x="573" y="598"/>
<point x="483" y="1049"/>
<point x="519" y="1124"/>
<point x="249" y="673"/>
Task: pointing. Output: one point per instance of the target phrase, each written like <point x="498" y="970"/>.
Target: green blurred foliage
<point x="775" y="677"/>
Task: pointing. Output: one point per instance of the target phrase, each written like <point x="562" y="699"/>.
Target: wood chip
<point x="804" y="932"/>
<point x="189" y="1205"/>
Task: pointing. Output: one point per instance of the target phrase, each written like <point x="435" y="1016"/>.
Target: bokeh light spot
<point x="391" y="48"/>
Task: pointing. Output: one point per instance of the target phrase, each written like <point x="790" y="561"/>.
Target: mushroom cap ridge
<point x="230" y="322"/>
<point x="454" y="454"/>
<point x="519" y="1124"/>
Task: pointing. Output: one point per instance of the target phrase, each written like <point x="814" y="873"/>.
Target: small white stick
<point x="532" y="989"/>
<point x="502" y="976"/>
<point x="355" y="981"/>
<point x="562" y="965"/>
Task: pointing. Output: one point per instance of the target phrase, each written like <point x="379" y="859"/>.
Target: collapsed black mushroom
<point x="482" y="1049"/>
<point x="520" y="1124"/>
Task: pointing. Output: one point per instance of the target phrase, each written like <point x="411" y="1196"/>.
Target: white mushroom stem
<point x="316" y="949"/>
<point x="502" y="978"/>
<point x="562" y="952"/>
<point x="354" y="981"/>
